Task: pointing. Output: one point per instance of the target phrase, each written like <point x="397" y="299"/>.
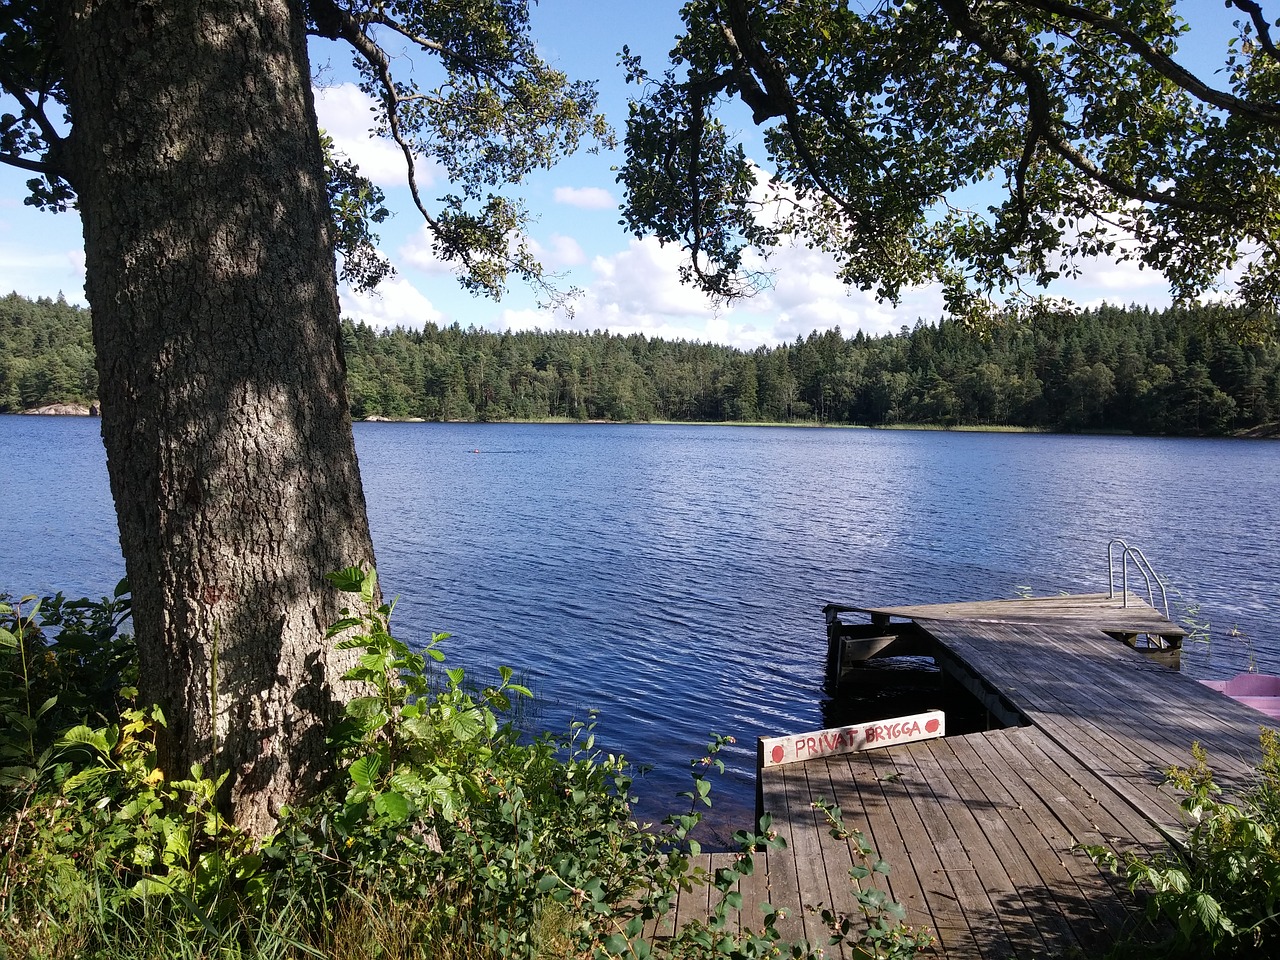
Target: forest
<point x="1173" y="371"/>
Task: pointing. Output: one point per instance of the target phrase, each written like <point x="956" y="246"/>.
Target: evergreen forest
<point x="1172" y="371"/>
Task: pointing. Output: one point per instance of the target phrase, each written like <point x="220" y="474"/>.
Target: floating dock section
<point x="982" y="831"/>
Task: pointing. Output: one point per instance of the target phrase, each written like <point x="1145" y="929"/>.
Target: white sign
<point x="838" y="740"/>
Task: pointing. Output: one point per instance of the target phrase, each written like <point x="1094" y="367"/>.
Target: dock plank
<point x="897" y="782"/>
<point x="857" y="791"/>
<point x="983" y="831"/>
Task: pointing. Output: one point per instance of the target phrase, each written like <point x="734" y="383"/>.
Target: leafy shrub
<point x="62" y="662"/>
<point x="447" y="832"/>
<point x="1218" y="890"/>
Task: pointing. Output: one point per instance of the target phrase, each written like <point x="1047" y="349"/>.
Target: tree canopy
<point x="989" y="145"/>
<point x="479" y="101"/>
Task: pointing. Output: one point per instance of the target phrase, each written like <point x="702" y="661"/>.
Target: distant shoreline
<point x="1269" y="431"/>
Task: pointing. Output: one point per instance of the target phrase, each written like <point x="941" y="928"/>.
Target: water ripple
<point x="673" y="577"/>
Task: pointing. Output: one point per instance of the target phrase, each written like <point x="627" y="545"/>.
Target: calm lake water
<point x="673" y="577"/>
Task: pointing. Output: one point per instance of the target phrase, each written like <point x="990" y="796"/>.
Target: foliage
<point x="879" y="929"/>
<point x="1219" y="889"/>
<point x="490" y="113"/>
<point x="1165" y="372"/>
<point x="356" y="202"/>
<point x="1172" y="372"/>
<point x="62" y="662"/>
<point x="985" y="146"/>
<point x="46" y="354"/>
<point x="446" y="833"/>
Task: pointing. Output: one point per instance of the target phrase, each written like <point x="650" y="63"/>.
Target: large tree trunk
<point x="197" y="163"/>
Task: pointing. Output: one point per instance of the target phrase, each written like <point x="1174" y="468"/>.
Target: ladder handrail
<point x="1143" y="566"/>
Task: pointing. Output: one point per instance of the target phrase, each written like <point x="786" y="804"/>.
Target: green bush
<point x="1217" y="892"/>
<point x="447" y="833"/>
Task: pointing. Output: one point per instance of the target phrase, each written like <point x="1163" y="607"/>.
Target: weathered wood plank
<point x="964" y="853"/>
<point x="784" y="878"/>
<point x="807" y="833"/>
<point x="1063" y="822"/>
<point x="1109" y="613"/>
<point x="862" y="802"/>
<point x="993" y="807"/>
<point x="982" y="831"/>
<point x="898" y="783"/>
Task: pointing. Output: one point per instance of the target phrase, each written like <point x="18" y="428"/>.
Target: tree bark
<point x="197" y="162"/>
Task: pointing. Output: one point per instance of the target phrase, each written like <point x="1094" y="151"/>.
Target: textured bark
<point x="197" y="164"/>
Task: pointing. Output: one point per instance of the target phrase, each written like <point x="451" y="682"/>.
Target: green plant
<point x="879" y="930"/>
<point x="62" y="663"/>
<point x="447" y="832"/>
<point x="1220" y="888"/>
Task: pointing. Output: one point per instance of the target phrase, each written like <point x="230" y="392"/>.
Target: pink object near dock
<point x="1258" y="690"/>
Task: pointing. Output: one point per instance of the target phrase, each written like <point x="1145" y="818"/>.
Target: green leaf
<point x="464" y="725"/>
<point x="7" y="639"/>
<point x="408" y="782"/>
<point x="365" y="770"/>
<point x="369" y="586"/>
<point x="1212" y="919"/>
<point x="392" y="805"/>
<point x="349" y="580"/>
<point x="85" y="736"/>
<point x="364" y="707"/>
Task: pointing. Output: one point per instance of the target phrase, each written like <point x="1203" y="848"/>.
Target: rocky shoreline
<point x="63" y="410"/>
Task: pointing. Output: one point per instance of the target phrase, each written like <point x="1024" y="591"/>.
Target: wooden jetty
<point x="982" y="831"/>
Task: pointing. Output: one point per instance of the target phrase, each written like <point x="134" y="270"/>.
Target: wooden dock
<point x="982" y="830"/>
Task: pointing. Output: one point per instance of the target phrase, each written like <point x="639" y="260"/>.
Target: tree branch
<point x="781" y="102"/>
<point x="1039" y="103"/>
<point x="1165" y="65"/>
<point x="34" y="166"/>
<point x="1260" y="24"/>
<point x="34" y="112"/>
<point x="344" y="26"/>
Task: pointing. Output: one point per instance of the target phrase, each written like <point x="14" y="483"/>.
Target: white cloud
<point x="396" y="302"/>
<point x="34" y="273"/>
<point x="807" y="296"/>
<point x="345" y="113"/>
<point x="588" y="198"/>
<point x="559" y="252"/>
<point x="638" y="290"/>
<point x="642" y="283"/>
<point x="419" y="252"/>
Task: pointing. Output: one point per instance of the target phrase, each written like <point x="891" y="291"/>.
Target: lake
<point x="672" y="577"/>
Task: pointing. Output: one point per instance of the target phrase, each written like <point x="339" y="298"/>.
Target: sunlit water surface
<point x="672" y="577"/>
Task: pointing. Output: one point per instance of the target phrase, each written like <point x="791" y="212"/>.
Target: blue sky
<point x="629" y="285"/>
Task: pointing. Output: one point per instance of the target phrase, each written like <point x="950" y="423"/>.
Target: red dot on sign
<point x="778" y="754"/>
<point x="932" y="726"/>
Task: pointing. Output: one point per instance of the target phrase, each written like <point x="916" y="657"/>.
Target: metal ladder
<point x="1144" y="567"/>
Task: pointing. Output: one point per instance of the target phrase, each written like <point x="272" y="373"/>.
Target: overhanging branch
<point x="33" y="166"/>
<point x="1041" y="108"/>
<point x="1166" y="66"/>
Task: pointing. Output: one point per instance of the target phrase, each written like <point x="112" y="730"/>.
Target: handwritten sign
<point x="838" y="740"/>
